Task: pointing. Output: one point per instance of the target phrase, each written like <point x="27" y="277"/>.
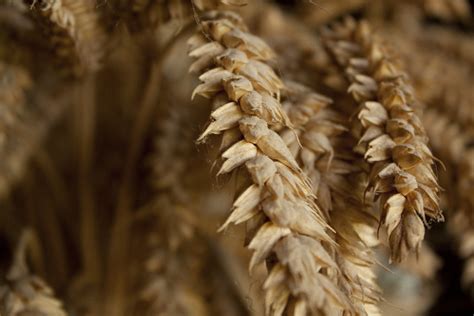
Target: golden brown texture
<point x="286" y="222"/>
<point x="140" y="15"/>
<point x="390" y="136"/>
<point x="24" y="293"/>
<point x="118" y="236"/>
<point x="74" y="31"/>
<point x="339" y="186"/>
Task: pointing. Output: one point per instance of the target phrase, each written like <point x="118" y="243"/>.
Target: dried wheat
<point x="390" y="135"/>
<point x="339" y="186"/>
<point x="23" y="123"/>
<point x="289" y="226"/>
<point x="74" y="30"/>
<point x="24" y="293"/>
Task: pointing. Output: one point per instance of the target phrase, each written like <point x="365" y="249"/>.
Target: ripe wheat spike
<point x="390" y="136"/>
<point x="288" y="224"/>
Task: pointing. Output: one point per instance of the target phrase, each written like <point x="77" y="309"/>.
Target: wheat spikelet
<point x="289" y="226"/>
<point x="23" y="293"/>
<point x="391" y="136"/>
<point x="74" y="31"/>
<point x="338" y="186"/>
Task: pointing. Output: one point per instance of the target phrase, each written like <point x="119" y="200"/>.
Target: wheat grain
<point x="390" y="134"/>
<point x="246" y="93"/>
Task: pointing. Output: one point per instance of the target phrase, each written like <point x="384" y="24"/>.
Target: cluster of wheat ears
<point x="234" y="157"/>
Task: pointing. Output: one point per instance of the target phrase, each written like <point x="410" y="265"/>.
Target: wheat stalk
<point x="390" y="134"/>
<point x="24" y="293"/>
<point x="289" y="226"/>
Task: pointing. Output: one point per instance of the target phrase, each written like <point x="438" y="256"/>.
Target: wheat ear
<point x="24" y="293"/>
<point x="339" y="185"/>
<point x="289" y="226"/>
<point x="74" y="30"/>
<point x="391" y="136"/>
